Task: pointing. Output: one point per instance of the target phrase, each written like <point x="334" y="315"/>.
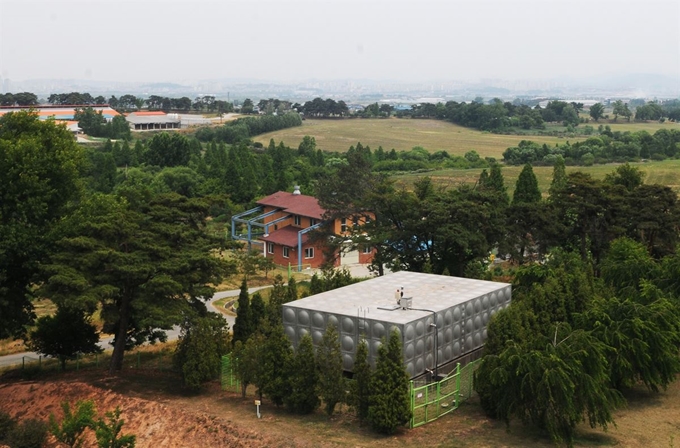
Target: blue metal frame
<point x="300" y="233"/>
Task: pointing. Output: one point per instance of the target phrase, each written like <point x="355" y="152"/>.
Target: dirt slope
<point x="155" y="424"/>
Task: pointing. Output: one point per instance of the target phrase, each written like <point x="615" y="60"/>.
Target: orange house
<point x="281" y="223"/>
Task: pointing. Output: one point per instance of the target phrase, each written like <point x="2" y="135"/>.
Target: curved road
<point x="17" y="358"/>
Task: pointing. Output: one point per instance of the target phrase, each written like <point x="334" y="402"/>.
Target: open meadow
<point x="403" y="134"/>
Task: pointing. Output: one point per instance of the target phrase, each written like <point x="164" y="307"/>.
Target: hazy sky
<point x="415" y="40"/>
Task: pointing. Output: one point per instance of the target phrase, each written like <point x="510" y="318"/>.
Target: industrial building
<point x="152" y="120"/>
<point x="441" y="319"/>
<point x="62" y="113"/>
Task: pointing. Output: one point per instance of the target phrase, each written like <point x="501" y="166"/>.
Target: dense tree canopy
<point x="40" y="163"/>
<point x="146" y="262"/>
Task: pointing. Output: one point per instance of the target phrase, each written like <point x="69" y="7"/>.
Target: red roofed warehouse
<point x="281" y="223"/>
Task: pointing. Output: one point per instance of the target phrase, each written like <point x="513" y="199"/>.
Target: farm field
<point x="402" y="135"/>
<point x="666" y="172"/>
<point x="161" y="413"/>
<point x="433" y="135"/>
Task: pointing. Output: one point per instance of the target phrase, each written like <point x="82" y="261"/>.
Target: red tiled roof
<point x="287" y="236"/>
<point x="297" y="204"/>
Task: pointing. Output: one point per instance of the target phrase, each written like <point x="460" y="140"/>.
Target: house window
<point x="270" y="248"/>
<point x="297" y="220"/>
<point x="309" y="252"/>
<point x="367" y="249"/>
<point x="355" y="221"/>
<point x="312" y="222"/>
<point x="343" y="225"/>
<point x="286" y="252"/>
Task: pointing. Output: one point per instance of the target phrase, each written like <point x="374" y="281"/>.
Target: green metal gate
<point x="228" y="376"/>
<point x="434" y="400"/>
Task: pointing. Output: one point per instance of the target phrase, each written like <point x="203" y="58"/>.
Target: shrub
<point x="29" y="433"/>
<point x="7" y="423"/>
<point x="74" y="423"/>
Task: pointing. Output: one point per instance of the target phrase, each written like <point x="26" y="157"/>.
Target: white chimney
<point x="296" y="190"/>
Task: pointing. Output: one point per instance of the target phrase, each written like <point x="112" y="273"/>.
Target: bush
<point x="72" y="426"/>
<point x="7" y="423"/>
<point x="29" y="433"/>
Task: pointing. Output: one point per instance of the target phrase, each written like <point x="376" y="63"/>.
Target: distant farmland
<point x="666" y="172"/>
<point x="402" y="135"/>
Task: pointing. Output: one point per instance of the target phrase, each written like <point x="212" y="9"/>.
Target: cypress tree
<point x="390" y="403"/>
<point x="559" y="180"/>
<point x="303" y="379"/>
<point x="292" y="292"/>
<point x="243" y="327"/>
<point x="273" y="377"/>
<point x="257" y="309"/>
<point x="526" y="188"/>
<point x="362" y="382"/>
<point x="329" y="362"/>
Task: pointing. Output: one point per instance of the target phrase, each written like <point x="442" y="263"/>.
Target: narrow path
<point x="106" y="343"/>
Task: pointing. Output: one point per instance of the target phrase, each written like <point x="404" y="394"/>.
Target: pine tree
<point x="361" y="392"/>
<point x="390" y="401"/>
<point x="243" y="326"/>
<point x="292" y="292"/>
<point x="277" y="297"/>
<point x="303" y="379"/>
<point x="257" y="310"/>
<point x="559" y="180"/>
<point x="329" y="362"/>
<point x="526" y="188"/>
<point x="274" y="371"/>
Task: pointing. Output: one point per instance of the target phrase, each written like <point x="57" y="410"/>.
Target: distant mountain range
<point x="365" y="90"/>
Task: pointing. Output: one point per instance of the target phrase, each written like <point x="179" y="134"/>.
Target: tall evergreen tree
<point x="526" y="188"/>
<point x="277" y="297"/>
<point x="303" y="379"/>
<point x="559" y="180"/>
<point x="361" y="393"/>
<point x="329" y="364"/>
<point x="292" y="292"/>
<point x="243" y="326"/>
<point x="274" y="370"/>
<point x="257" y="309"/>
<point x="147" y="262"/>
<point x="495" y="182"/>
<point x="390" y="403"/>
<point x="39" y="162"/>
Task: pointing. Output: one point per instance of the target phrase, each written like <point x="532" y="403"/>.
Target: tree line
<point x="607" y="147"/>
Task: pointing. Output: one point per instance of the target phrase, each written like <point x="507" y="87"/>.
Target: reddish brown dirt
<point x="155" y="424"/>
<point x="161" y="414"/>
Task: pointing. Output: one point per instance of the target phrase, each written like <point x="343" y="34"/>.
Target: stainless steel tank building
<point x="440" y="318"/>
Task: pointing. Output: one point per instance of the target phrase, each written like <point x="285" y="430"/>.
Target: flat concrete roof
<point x="428" y="291"/>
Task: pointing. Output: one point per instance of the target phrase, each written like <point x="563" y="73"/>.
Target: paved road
<point x="105" y="343"/>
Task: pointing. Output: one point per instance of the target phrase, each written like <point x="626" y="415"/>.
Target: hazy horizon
<point x="153" y="41"/>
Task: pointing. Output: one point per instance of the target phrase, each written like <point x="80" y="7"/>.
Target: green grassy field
<point x="666" y="173"/>
<point x="433" y="135"/>
<point x="402" y="135"/>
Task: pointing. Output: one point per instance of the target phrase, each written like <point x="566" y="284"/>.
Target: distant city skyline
<point x="185" y="42"/>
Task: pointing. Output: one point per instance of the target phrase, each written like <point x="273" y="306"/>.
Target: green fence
<point x="228" y="376"/>
<point x="433" y="400"/>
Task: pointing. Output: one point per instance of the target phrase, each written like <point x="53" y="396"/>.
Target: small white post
<point x="257" y="403"/>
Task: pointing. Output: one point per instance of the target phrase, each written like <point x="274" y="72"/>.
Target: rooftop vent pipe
<point x="296" y="190"/>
